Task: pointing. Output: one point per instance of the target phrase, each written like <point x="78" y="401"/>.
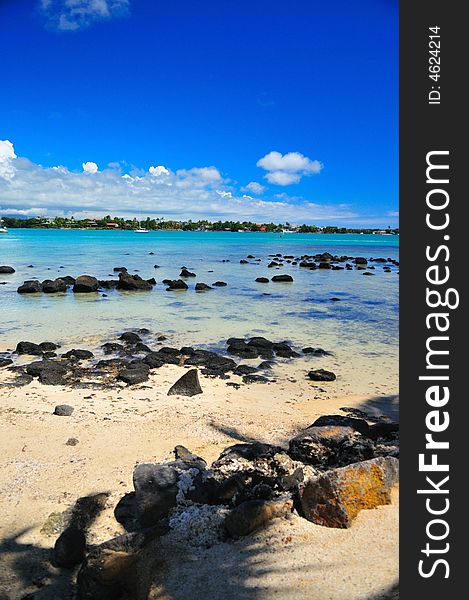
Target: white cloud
<point x="29" y="189"/>
<point x="158" y="171"/>
<point x="90" y="167"/>
<point x="285" y="169"/>
<point x="282" y="177"/>
<point x="7" y="156"/>
<point x="254" y="187"/>
<point x="70" y="15"/>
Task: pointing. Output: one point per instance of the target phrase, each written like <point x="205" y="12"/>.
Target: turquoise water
<point x="363" y="324"/>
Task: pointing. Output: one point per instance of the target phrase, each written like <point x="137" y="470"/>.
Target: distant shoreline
<point x="354" y="232"/>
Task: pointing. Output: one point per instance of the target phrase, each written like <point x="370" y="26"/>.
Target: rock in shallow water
<point x="336" y="497"/>
<point x="31" y="286"/>
<point x="6" y="269"/>
<point x="85" y="284"/>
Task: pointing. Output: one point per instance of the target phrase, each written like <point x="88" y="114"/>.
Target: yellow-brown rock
<point x="336" y="497"/>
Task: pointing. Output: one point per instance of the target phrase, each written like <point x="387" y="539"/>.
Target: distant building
<point x="112" y="224"/>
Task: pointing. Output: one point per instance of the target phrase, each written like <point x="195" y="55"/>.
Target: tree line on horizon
<point x="153" y="224"/>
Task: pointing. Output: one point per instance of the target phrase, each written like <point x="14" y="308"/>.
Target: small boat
<point x="141" y="229"/>
<point x="3" y="229"/>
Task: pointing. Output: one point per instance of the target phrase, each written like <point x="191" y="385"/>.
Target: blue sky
<point x="267" y="110"/>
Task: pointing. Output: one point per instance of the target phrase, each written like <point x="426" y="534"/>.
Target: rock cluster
<point x="130" y="360"/>
<point x="328" y="475"/>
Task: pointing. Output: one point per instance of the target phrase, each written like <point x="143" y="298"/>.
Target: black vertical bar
<point x="428" y="127"/>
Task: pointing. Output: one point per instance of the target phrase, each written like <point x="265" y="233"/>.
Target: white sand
<point x="116" y="429"/>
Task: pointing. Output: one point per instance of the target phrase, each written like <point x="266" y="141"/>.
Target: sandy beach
<point x="116" y="429"/>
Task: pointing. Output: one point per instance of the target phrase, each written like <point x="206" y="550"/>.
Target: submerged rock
<point x="202" y="287"/>
<point x="336" y="497"/>
<point x="219" y="284"/>
<point x="187" y="385"/>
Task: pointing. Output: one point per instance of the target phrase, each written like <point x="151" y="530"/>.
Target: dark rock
<point x="336" y="497"/>
<point x="368" y="273"/>
<point x="5" y="362"/>
<point x="72" y="441"/>
<point x="141" y="347"/>
<point x="79" y="354"/>
<point x="28" y="348"/>
<point x="283" y="350"/>
<point x="219" y="284"/>
<point x="280" y="278"/>
<point x="176" y="284"/>
<point x="129" y="337"/>
<point x="154" y="360"/>
<point x="120" y="269"/>
<point x="53" y="287"/>
<point x="112" y="348"/>
<point x="316" y="351"/>
<point x="202" y="287"/>
<point x="241" y="348"/>
<point x="70" y="548"/>
<point x="253" y="514"/>
<point x="273" y="264"/>
<point x="330" y="446"/>
<point x="68" y="279"/>
<point x="360" y="260"/>
<point x="6" y="270"/>
<point x="108" y="284"/>
<point x="109" y="570"/>
<point x="185" y="273"/>
<point x="243" y="262"/>
<point x="262" y="280"/>
<point x="63" y="410"/>
<point x="155" y="491"/>
<point x="266" y="364"/>
<point x="133" y="283"/>
<point x="48" y="346"/>
<point x="30" y="287"/>
<point x="214" y="363"/>
<point x="125" y="511"/>
<point x="135" y="373"/>
<point x="324" y="265"/>
<point x="244" y="370"/>
<point x="187" y="385"/>
<point x="52" y="376"/>
<point x="85" y="284"/>
<point x="335" y="299"/>
<point x="255" y="379"/>
<point x="321" y="375"/>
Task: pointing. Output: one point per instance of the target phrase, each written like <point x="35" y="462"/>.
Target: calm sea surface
<point x="363" y="323"/>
